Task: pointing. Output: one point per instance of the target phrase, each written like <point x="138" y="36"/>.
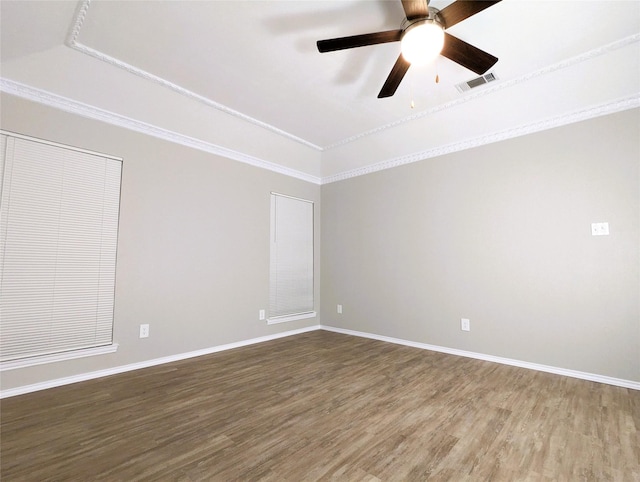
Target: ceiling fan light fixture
<point x="423" y="37"/>
<point x="422" y="41"/>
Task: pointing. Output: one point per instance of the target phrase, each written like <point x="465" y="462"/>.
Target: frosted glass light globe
<point x="422" y="42"/>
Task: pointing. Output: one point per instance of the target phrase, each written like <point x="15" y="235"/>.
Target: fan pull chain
<point x="412" y="104"/>
<point x="411" y="86"/>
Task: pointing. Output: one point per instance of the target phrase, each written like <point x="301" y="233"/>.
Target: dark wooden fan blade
<point x="415" y="8"/>
<point x="467" y="55"/>
<point x="363" y="40"/>
<point x="458" y="11"/>
<point x="395" y="77"/>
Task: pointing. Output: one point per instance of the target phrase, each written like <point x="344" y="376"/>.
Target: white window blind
<point x="291" y="267"/>
<point x="58" y="236"/>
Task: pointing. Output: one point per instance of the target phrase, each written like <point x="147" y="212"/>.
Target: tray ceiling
<point x="252" y="67"/>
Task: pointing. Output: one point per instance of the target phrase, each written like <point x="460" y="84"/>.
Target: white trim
<point x="12" y="392"/>
<point x="56" y="357"/>
<point x="592" y="377"/>
<point x="285" y="318"/>
<point x="72" y="42"/>
<point x="91" y="112"/>
<point x="612" y="107"/>
<point x="85" y="110"/>
<point x="68" y="105"/>
<point x="292" y="197"/>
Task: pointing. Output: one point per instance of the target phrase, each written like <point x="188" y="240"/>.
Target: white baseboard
<point x="12" y="392"/>
<point x="496" y="359"/>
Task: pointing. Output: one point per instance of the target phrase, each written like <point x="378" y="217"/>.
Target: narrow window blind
<point x="291" y="264"/>
<point x="58" y="236"/>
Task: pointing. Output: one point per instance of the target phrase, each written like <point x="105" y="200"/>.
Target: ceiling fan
<point x="423" y="37"/>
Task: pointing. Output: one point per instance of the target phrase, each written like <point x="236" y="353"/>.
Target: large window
<point x="58" y="235"/>
<point x="291" y="271"/>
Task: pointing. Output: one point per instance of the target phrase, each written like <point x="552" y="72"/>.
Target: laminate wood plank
<point x="324" y="406"/>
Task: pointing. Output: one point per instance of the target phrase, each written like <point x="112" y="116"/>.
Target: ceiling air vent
<point x="473" y="83"/>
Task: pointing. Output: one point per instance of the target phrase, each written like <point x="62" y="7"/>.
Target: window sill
<point x="56" y="357"/>
<point x="297" y="316"/>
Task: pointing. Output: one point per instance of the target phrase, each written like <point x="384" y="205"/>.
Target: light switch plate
<point x="600" y="229"/>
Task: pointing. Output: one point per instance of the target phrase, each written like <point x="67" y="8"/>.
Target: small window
<point x="291" y="267"/>
<point x="58" y="236"/>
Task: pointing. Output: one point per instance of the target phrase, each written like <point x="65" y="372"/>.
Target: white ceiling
<point x="244" y="78"/>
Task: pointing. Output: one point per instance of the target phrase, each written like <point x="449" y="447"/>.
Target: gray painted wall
<point x="501" y="235"/>
<point x="193" y="250"/>
<point x="498" y="234"/>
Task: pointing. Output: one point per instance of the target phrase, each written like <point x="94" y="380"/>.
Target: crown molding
<point x="91" y="112"/>
<point x="74" y="43"/>
<point x="549" y="123"/>
<point x="472" y="95"/>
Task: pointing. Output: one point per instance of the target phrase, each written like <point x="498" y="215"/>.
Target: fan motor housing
<point x="433" y="17"/>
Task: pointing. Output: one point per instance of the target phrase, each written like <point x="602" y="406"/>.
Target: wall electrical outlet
<point x="465" y="324"/>
<point x="339" y="309"/>
<point x="261" y="314"/>
<point x="144" y="331"/>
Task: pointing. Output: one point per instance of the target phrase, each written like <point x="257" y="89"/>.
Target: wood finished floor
<point x="324" y="406"/>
